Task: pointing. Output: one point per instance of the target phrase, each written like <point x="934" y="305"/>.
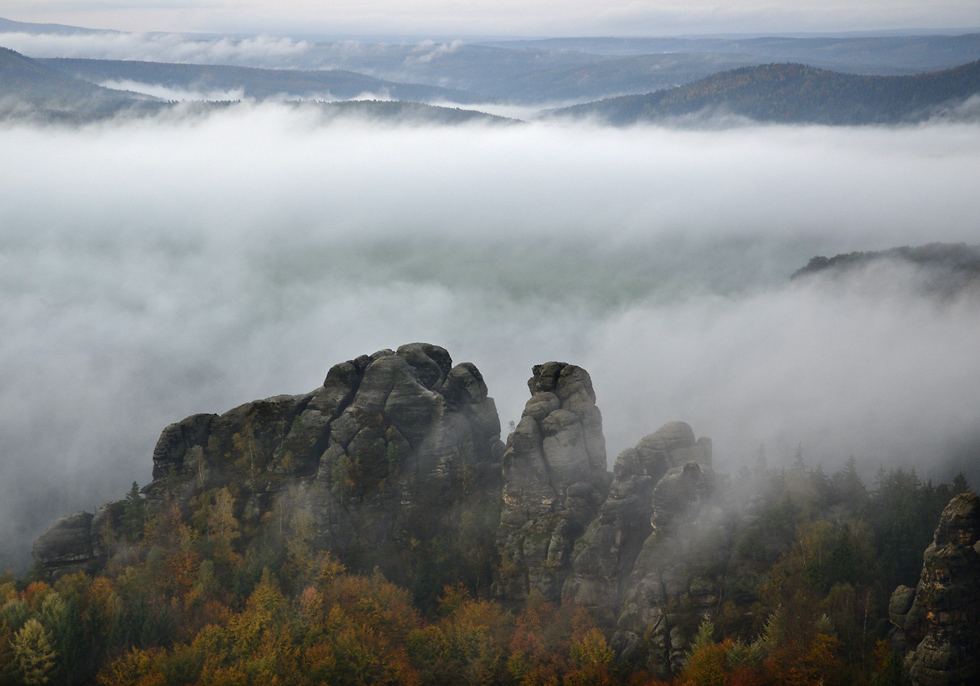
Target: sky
<point x="498" y="17"/>
<point x="151" y="269"/>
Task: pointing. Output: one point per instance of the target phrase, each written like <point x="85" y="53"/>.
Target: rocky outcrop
<point x="395" y="462"/>
<point x="939" y="622"/>
<point x="80" y="542"/>
<point x="66" y="546"/>
<point x="651" y="563"/>
<point x="678" y="574"/>
<point x="396" y="452"/>
<point x="555" y="480"/>
<point x="414" y="446"/>
<point x="604" y="556"/>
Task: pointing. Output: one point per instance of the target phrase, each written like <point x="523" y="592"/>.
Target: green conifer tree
<point x="134" y="513"/>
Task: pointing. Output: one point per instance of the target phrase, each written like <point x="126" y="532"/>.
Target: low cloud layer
<point x="174" y="94"/>
<point x="256" y="51"/>
<point x="152" y="269"/>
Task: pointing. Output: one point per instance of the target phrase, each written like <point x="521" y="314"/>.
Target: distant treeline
<point x="795" y="93"/>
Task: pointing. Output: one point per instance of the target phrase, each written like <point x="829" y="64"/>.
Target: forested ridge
<point x="796" y="93"/>
<point x="252" y="83"/>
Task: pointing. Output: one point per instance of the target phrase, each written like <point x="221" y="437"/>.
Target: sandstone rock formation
<point x="604" y="556"/>
<point x="396" y="462"/>
<point x="394" y="453"/>
<point x="66" y="546"/>
<point x="939" y="622"/>
<point x="677" y="577"/>
<point x="555" y="480"/>
<point x="78" y="542"/>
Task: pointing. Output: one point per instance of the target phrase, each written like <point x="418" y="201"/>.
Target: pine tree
<point x="960" y="484"/>
<point x="134" y="513"/>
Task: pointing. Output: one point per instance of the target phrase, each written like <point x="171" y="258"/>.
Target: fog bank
<point x="156" y="268"/>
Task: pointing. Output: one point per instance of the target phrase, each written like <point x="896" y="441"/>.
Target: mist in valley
<point x="157" y="267"/>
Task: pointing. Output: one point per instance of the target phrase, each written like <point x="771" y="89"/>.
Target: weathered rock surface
<point x="555" y="480"/>
<point x="392" y="452"/>
<point x="678" y="574"/>
<point x="396" y="462"/>
<point x="66" y="546"/>
<point x="604" y="556"/>
<point x="416" y="443"/>
<point x="939" y="624"/>
<point x="78" y="542"/>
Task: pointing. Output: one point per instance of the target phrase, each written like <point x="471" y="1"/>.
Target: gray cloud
<point x="151" y="269"/>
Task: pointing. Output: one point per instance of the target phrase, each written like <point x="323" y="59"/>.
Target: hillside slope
<point x="27" y="79"/>
<point x="260" y="84"/>
<point x="795" y="93"/>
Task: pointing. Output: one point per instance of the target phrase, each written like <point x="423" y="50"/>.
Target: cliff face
<point x="555" y="480"/>
<point x="605" y="555"/>
<point x="938" y="622"/>
<point x="395" y="453"/>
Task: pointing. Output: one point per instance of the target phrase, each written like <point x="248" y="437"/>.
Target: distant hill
<point x="913" y="54"/>
<point x="10" y="26"/>
<point x="27" y="79"/>
<point x="795" y="93"/>
<point x="568" y="80"/>
<point x="31" y="89"/>
<point x="954" y="256"/>
<point x="260" y="84"/>
<point x="947" y="268"/>
<point x="581" y="69"/>
<point x="405" y="112"/>
<point x="546" y="72"/>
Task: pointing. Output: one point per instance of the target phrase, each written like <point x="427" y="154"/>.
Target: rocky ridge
<point x="393" y="451"/>
<point x="398" y="454"/>
<point x="395" y="463"/>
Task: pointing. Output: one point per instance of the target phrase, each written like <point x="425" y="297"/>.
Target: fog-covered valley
<point x="153" y="268"/>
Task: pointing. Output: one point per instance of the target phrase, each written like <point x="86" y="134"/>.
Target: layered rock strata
<point x="394" y="450"/>
<point x="397" y="455"/>
<point x="555" y="481"/>
<point x="604" y="556"/>
<point x="938" y="622"/>
<point x="67" y="545"/>
<point x="78" y="542"/>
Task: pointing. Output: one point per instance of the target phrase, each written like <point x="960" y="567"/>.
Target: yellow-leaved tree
<point x="34" y="654"/>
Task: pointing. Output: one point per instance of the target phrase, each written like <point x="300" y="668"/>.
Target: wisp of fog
<point x="158" y="267"/>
